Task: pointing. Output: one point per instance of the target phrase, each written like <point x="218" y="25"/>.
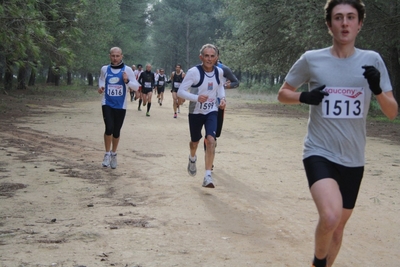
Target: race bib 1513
<point x="343" y="103"/>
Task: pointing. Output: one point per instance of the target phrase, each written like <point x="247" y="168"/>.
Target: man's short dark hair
<point x="357" y="4"/>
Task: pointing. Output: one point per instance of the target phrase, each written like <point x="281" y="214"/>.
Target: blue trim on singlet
<point x="202" y="74"/>
<point x="116" y="102"/>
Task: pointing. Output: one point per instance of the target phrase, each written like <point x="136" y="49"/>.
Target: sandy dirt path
<point x="59" y="207"/>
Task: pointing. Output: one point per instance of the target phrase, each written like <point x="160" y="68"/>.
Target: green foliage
<point x="131" y="32"/>
<point x="180" y="28"/>
<point x="270" y="35"/>
<point x="98" y="22"/>
<point x="256" y="37"/>
<point x="21" y="30"/>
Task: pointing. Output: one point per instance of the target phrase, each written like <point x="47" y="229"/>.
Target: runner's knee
<point x="109" y="130"/>
<point x="210" y="140"/>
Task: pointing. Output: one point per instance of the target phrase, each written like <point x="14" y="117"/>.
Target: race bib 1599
<point x="208" y="105"/>
<point x="343" y="103"/>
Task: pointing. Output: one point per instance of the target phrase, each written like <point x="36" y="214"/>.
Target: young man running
<point x="202" y="85"/>
<point x="176" y="79"/>
<point x="341" y="80"/>
<point x="138" y="94"/>
<point x="147" y="80"/>
<point x="115" y="81"/>
<point x="161" y="79"/>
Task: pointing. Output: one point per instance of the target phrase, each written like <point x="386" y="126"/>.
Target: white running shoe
<point x="113" y="161"/>
<point x="208" y="182"/>
<point x="192" y="170"/>
<point x="106" y="160"/>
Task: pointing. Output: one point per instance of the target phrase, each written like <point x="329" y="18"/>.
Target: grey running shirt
<point x="336" y="127"/>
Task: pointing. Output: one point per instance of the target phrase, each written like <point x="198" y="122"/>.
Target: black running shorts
<point x="348" y="178"/>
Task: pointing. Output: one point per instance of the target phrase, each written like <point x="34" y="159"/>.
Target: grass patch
<point x="260" y="89"/>
<point x="14" y="102"/>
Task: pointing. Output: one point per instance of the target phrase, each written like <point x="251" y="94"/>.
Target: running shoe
<point x="139" y="109"/>
<point x="147" y="114"/>
<point x="192" y="170"/>
<point x="106" y="160"/>
<point x="175" y="115"/>
<point x="208" y="182"/>
<point x="113" y="161"/>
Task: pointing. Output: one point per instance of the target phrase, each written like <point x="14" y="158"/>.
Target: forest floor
<point x="59" y="207"/>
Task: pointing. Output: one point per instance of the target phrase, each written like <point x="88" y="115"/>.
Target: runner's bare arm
<point x="388" y="104"/>
<point x="287" y="94"/>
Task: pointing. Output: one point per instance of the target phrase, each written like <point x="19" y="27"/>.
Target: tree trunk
<point x="69" y="78"/>
<point x="90" y="79"/>
<point x="1" y="74"/>
<point x="394" y="64"/>
<point x="187" y="43"/>
<point x="50" y="75"/>
<point x="281" y="79"/>
<point x="8" y="75"/>
<point x="57" y="77"/>
<point x="32" y="77"/>
<point x="21" y="77"/>
<point x="395" y="71"/>
<point x="271" y="80"/>
<point x="53" y="76"/>
<point x="239" y="74"/>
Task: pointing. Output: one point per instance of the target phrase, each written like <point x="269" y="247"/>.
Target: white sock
<point x="208" y="172"/>
<point x="193" y="158"/>
<point x="113" y="153"/>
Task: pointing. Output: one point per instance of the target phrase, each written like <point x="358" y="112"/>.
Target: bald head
<point x="116" y="49"/>
<point x="116" y="56"/>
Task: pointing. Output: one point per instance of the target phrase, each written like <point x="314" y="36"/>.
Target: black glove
<point x="373" y="77"/>
<point x="314" y="97"/>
